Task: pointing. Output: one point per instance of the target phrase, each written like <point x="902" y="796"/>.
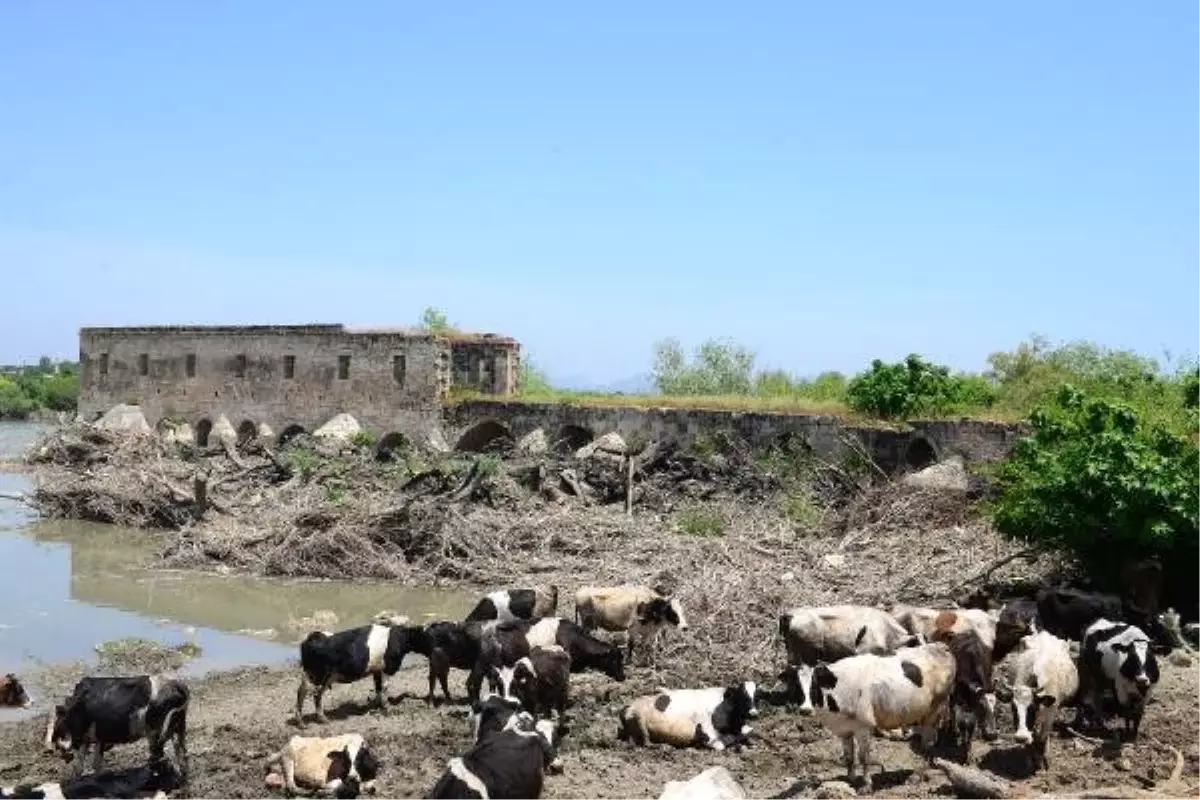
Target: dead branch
<point x="986" y="571"/>
<point x="971" y="782"/>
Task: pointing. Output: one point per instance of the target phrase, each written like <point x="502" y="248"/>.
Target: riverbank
<point x="240" y="716"/>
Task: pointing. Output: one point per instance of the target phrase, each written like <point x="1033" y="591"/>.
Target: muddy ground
<point x="239" y="717"/>
<point x="736" y="536"/>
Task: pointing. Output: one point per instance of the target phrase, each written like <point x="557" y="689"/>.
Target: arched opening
<point x="572" y="437"/>
<point x="488" y="436"/>
<point x="289" y="433"/>
<point x="920" y="454"/>
<point x="203" y="429"/>
<point x="391" y="446"/>
<point x="246" y="432"/>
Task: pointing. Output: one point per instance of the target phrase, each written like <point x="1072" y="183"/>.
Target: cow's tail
<point x="785" y="624"/>
<point x="623" y="725"/>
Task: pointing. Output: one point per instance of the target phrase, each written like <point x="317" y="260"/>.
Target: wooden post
<point x="629" y="485"/>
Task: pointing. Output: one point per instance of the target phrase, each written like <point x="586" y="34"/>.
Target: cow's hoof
<point x="321" y="719"/>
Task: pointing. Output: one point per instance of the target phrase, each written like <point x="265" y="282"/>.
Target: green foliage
<point x="916" y="387"/>
<point x="532" y="381"/>
<point x="302" y="460"/>
<point x="47" y="385"/>
<point x="435" y="320"/>
<point x="802" y="510"/>
<point x="362" y="438"/>
<point x="488" y="465"/>
<point x="335" y="494"/>
<point x="701" y="522"/>
<point x="718" y="367"/>
<point x="14" y="402"/>
<point x="1098" y="480"/>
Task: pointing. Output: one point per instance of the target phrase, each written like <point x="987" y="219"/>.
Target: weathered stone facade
<point x="289" y="376"/>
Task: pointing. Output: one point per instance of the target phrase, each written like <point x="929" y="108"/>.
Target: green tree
<point x="915" y="386"/>
<point x="718" y="367"/>
<point x="434" y="320"/>
<point x="532" y="380"/>
<point x="1097" y="480"/>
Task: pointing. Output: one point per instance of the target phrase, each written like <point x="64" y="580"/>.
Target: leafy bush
<point x="362" y="438"/>
<point x="14" y="402"/>
<point x="719" y="367"/>
<point x="302" y="460"/>
<point x="916" y="386"/>
<point x="1098" y="481"/>
<point x="701" y="522"/>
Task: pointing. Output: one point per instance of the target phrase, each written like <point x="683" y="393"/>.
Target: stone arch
<point x="246" y="431"/>
<point x="390" y="446"/>
<point x="920" y="453"/>
<point x="487" y="435"/>
<point x="289" y="433"/>
<point x="203" y="429"/>
<point x="572" y="437"/>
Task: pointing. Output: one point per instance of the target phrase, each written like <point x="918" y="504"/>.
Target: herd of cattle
<point x="858" y="669"/>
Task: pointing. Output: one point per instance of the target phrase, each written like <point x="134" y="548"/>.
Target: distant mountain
<point x="635" y="384"/>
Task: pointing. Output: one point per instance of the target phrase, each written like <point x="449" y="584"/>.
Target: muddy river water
<point x="68" y="586"/>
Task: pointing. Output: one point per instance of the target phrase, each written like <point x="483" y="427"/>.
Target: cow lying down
<point x="343" y="766"/>
<point x="714" y="717"/>
<point x="854" y="696"/>
<point x="153" y="781"/>
<point x="12" y="693"/>
<point x="509" y="762"/>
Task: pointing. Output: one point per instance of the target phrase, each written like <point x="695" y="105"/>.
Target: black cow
<point x="155" y="780"/>
<point x="350" y="655"/>
<point x="1067" y="612"/>
<point x="454" y="644"/>
<point x="509" y="763"/>
<point x="973" y="699"/>
<point x="1018" y="619"/>
<point x="108" y="711"/>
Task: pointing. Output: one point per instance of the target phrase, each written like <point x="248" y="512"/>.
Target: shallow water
<point x="68" y="586"/>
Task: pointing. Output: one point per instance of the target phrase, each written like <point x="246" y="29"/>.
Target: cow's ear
<point x="640" y="609"/>
<point x="1046" y="700"/>
<point x="60" y="709"/>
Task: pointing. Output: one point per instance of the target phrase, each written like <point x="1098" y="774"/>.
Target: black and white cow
<point x="508" y="642"/>
<point x="342" y="765"/>
<point x="491" y="714"/>
<point x="153" y="781"/>
<point x="107" y="711"/>
<point x="1117" y="658"/>
<point x="714" y="717"/>
<point x="505" y="605"/>
<point x="540" y="681"/>
<point x="351" y="655"/>
<point x="973" y="699"/>
<point x="509" y="763"/>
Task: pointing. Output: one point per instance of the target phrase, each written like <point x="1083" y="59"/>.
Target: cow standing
<point x="341" y="765"/>
<point x="508" y="642"/>
<point x="454" y="644"/>
<point x="540" y="681"/>
<point x="1044" y="681"/>
<point x="973" y="699"/>
<point x="713" y="717"/>
<point x="1017" y="619"/>
<point x="638" y="611"/>
<point x="1116" y="657"/>
<point x="854" y="696"/>
<point x="350" y="655"/>
<point x="506" y="605"/>
<point x="108" y="711"/>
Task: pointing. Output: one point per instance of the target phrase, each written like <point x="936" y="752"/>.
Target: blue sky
<point x="825" y="183"/>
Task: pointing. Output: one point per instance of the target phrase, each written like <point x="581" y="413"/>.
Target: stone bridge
<point x="473" y="426"/>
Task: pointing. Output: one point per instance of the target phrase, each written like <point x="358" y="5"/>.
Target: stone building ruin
<point x="285" y="379"/>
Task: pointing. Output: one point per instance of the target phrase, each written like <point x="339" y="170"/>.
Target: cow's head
<point x="58" y="733"/>
<point x="12" y="693"/>
<point x="503" y="681"/>
<point x="809" y="685"/>
<point x="356" y="767"/>
<point x="742" y="704"/>
<point x="662" y="611"/>
<point x="612" y="663"/>
<point x="1138" y="664"/>
<point x="1031" y="708"/>
<point x="490" y="710"/>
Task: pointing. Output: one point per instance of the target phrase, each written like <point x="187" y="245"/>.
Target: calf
<point x="540" y="681"/>
<point x="454" y="644"/>
<point x="510" y="641"/>
<point x="1044" y="680"/>
<point x="155" y="781"/>
<point x="638" y="611"/>
<point x="350" y="655"/>
<point x="929" y="621"/>
<point x="108" y="711"/>
<point x="341" y="765"/>
<point x="509" y="604"/>
<point x="713" y="717"/>
<point x="1117" y="657"/>
<point x="12" y="693"/>
<point x="972" y="701"/>
<point x="509" y="763"/>
<point x="854" y="696"/>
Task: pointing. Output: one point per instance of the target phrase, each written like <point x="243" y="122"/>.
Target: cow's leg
<point x="715" y="741"/>
<point x="301" y="695"/>
<point x="863" y="741"/>
<point x="379" y="701"/>
<point x="318" y="702"/>
<point x="97" y="757"/>
<point x="289" y="775"/>
<point x="179" y="742"/>
<point x="848" y="755"/>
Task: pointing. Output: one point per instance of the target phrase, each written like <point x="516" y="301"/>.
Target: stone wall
<point x="281" y="376"/>
<point x="893" y="448"/>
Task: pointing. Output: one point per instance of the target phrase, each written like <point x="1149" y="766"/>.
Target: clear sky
<point x="824" y="182"/>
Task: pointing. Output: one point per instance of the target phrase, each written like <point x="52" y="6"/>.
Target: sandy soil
<point x="239" y="717"/>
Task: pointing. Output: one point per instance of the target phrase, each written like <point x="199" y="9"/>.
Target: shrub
<point x="362" y="438"/>
<point x="14" y="402"/>
<point x="303" y="460"/>
<point x="701" y="522"/>
<point x="915" y="386"/>
<point x="1100" y="482"/>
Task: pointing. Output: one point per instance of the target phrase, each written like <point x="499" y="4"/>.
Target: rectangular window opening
<point x="399" y="367"/>
<point x="239" y="369"/>
<point x="343" y="367"/>
<point x="189" y="363"/>
<point x="104" y="363"/>
<point x="289" y="367"/>
<point x="144" y="364"/>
